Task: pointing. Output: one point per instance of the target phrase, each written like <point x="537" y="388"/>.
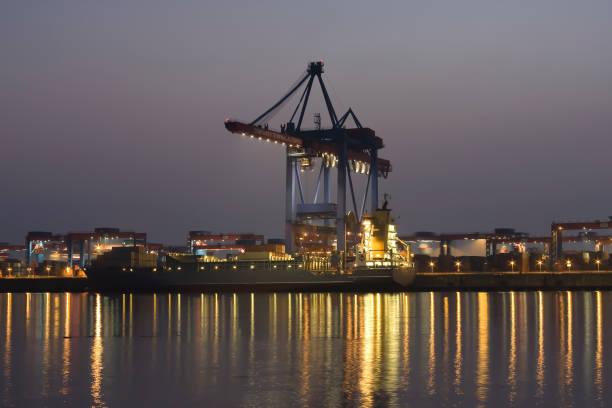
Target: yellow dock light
<point x="597" y="261"/>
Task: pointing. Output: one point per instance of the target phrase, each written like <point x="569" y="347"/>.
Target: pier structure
<point x="6" y="249"/>
<point x="519" y="248"/>
<point x="586" y="232"/>
<point x="493" y="239"/>
<point x="39" y="242"/>
<point x="99" y="241"/>
<point x="43" y="245"/>
<point x="321" y="222"/>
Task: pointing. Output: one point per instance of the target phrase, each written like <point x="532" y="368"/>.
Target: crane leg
<point x="289" y="203"/>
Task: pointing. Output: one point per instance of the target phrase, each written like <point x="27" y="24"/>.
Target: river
<point x="419" y="349"/>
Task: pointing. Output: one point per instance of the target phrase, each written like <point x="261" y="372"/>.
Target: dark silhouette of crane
<point x="349" y="149"/>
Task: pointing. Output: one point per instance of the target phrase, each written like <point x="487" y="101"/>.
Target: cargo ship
<point x="359" y="252"/>
<point x="379" y="261"/>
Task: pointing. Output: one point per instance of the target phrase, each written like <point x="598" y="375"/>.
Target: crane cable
<point x="274" y="111"/>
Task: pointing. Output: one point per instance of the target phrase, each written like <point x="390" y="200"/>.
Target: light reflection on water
<point x="458" y="347"/>
<point x="540" y="363"/>
<point x="569" y="347"/>
<point x="306" y="349"/>
<point x="431" y="382"/>
<point x="96" y="356"/>
<point x="482" y="372"/>
<point x="66" y="347"/>
<point x="512" y="375"/>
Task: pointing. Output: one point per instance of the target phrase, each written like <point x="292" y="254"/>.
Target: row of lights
<point x="358" y="166"/>
<point x="216" y="267"/>
<point x="329" y="159"/>
<point x="568" y="263"/>
<point x="268" y="140"/>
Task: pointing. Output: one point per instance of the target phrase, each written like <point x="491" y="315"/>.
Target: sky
<point x="493" y="114"/>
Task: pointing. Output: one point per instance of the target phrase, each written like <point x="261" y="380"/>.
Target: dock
<point x="451" y="281"/>
<point x="43" y="284"/>
<point x="496" y="281"/>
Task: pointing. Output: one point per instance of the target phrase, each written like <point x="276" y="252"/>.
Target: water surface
<point x="329" y="349"/>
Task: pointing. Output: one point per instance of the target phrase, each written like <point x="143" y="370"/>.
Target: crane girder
<point x="581" y="225"/>
<point x="356" y="151"/>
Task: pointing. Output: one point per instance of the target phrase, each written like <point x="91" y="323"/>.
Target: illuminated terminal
<point x="68" y="254"/>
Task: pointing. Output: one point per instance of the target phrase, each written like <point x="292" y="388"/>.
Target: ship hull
<point x="232" y="279"/>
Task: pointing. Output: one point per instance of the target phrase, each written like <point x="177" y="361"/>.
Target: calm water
<point x="413" y="349"/>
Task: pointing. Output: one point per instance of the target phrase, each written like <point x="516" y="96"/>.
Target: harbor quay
<point x="427" y="281"/>
<point x="500" y="260"/>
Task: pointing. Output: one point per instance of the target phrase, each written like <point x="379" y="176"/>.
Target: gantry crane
<point x="349" y="149"/>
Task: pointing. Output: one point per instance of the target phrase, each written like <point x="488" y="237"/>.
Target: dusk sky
<point x="494" y="114"/>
